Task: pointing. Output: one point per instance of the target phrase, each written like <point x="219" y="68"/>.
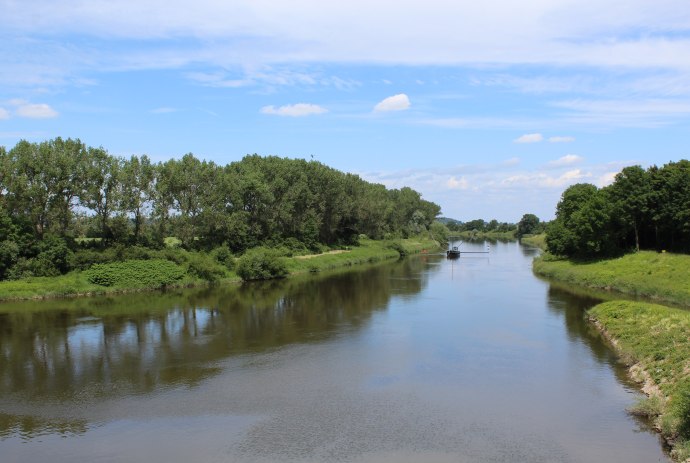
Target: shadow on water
<point x="572" y="304"/>
<point x="65" y="350"/>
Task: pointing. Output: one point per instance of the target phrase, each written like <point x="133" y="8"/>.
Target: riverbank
<point x="653" y="340"/>
<point x="538" y="241"/>
<point x="76" y="283"/>
<point x="662" y="277"/>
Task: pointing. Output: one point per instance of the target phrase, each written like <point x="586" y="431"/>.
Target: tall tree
<point x="101" y="186"/>
<point x="528" y="224"/>
<point x="630" y="194"/>
<point x="137" y="184"/>
<point x="42" y="181"/>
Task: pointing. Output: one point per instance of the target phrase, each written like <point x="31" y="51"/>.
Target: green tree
<point x="631" y="194"/>
<point x="42" y="182"/>
<point x="101" y="187"/>
<point x="582" y="227"/>
<point x="528" y="224"/>
<point x="137" y="189"/>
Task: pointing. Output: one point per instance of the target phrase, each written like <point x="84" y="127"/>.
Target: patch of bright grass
<point x="659" y="276"/>
<point x="657" y="339"/>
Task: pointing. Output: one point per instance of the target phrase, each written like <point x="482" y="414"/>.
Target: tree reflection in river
<point x="136" y="343"/>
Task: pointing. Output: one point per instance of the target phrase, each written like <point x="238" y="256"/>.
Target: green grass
<point x="658" y="276"/>
<point x="77" y="284"/>
<point x="368" y="251"/>
<point x="657" y="339"/>
<point x="538" y="241"/>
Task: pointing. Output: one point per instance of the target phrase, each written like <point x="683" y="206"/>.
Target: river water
<point x="426" y="359"/>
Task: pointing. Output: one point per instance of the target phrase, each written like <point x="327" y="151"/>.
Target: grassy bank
<point x="77" y="283"/>
<point x="538" y="241"/>
<point x="654" y="340"/>
<point x="658" y="276"/>
<point x="368" y="251"/>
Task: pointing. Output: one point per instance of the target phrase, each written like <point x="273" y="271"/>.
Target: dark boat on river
<point x="453" y="252"/>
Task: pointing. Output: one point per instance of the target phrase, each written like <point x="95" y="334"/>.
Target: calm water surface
<point x="427" y="359"/>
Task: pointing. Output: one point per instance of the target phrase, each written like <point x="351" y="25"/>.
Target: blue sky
<point x="488" y="108"/>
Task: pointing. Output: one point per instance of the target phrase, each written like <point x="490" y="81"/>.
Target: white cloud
<point x="647" y="113"/>
<point x="296" y="110"/>
<point x="4" y="114"/>
<point x="557" y="32"/>
<point x="457" y="184"/>
<point x="36" y="111"/>
<point x="23" y="108"/>
<point x="561" y="139"/>
<point x="499" y="190"/>
<point x="606" y="179"/>
<point x="567" y="160"/>
<point x="399" y="102"/>
<point x="529" y="138"/>
<point x="544" y="180"/>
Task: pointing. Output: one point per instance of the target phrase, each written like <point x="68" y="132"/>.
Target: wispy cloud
<point x="567" y="160"/>
<point x="500" y="190"/>
<point x="26" y="109"/>
<point x="295" y="110"/>
<point x="647" y="113"/>
<point x="529" y="138"/>
<point x="454" y="183"/>
<point x="399" y="102"/>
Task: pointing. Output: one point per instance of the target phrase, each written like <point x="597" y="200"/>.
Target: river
<point x="426" y="359"/>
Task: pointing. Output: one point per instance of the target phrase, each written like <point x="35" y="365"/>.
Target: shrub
<point x="85" y="258"/>
<point x="293" y="247"/>
<point x="153" y="273"/>
<point x="398" y="247"/>
<point x="223" y="256"/>
<point x="53" y="257"/>
<point x="261" y="264"/>
<point x="175" y="254"/>
<point x="205" y="267"/>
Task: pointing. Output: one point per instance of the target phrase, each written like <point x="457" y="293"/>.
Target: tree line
<point x="478" y="225"/>
<point x="641" y="209"/>
<point x="59" y="190"/>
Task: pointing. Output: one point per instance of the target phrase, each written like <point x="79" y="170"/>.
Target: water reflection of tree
<point x="136" y="343"/>
<point x="573" y="304"/>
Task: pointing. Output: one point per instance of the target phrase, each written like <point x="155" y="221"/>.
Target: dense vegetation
<point x="642" y="209"/>
<point x="478" y="226"/>
<point x="65" y="206"/>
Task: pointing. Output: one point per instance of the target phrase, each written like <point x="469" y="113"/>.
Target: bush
<point x="261" y="264"/>
<point x="295" y="247"/>
<point x="205" y="267"/>
<point x="174" y="254"/>
<point x="153" y="273"/>
<point x="396" y="245"/>
<point x="223" y="256"/>
<point x="53" y="257"/>
<point x="85" y="258"/>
